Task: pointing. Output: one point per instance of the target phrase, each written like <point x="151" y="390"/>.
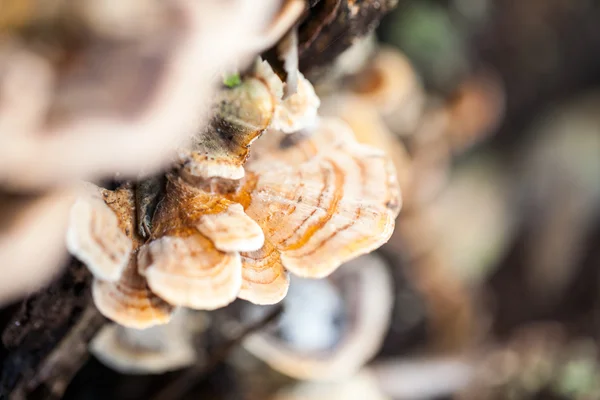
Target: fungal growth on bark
<point x="103" y="234"/>
<point x="390" y="83"/>
<point x="304" y="202"/>
<point x="100" y="232"/>
<point x="88" y="88"/>
<point x="282" y="200"/>
<point x="241" y="114"/>
<point x="298" y="111"/>
<point x="185" y="140"/>
<point x="32" y="230"/>
<point x="153" y="350"/>
<point x="332" y="327"/>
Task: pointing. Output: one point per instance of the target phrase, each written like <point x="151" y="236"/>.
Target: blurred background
<point x="491" y="111"/>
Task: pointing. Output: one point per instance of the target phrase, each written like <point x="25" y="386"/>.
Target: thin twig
<point x="186" y="381"/>
<point x="57" y="370"/>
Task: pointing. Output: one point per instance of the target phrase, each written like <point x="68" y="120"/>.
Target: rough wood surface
<point x="46" y="340"/>
<point x="332" y="26"/>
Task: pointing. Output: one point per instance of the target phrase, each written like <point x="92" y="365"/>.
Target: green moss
<point x="232" y="80"/>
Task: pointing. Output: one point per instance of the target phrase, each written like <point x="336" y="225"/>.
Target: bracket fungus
<point x="32" y="229"/>
<point x="193" y="257"/>
<point x="370" y="128"/>
<point x="323" y="200"/>
<point x="241" y="114"/>
<point x="390" y="83"/>
<point x="298" y="111"/>
<point x="153" y="350"/>
<point x="304" y="202"/>
<point x="102" y="233"/>
<point x="356" y="308"/>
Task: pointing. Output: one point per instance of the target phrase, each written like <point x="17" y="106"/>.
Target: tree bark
<point x="334" y="25"/>
<point x="46" y="340"/>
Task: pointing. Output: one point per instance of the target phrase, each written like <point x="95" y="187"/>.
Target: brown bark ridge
<point x="46" y="340"/>
<point x="332" y="26"/>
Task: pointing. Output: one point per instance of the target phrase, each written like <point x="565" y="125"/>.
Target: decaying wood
<point x="57" y="370"/>
<point x="333" y="26"/>
<point x="185" y="382"/>
<point x="46" y="340"/>
<point x="147" y="194"/>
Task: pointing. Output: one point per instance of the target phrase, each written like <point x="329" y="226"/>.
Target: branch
<point x="47" y="339"/>
<point x="332" y="26"/>
<point x="185" y="382"/>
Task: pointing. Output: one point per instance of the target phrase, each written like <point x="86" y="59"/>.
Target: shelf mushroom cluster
<point x="233" y="224"/>
<point x="92" y="88"/>
<point x="89" y="88"/>
<point x="357" y="315"/>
